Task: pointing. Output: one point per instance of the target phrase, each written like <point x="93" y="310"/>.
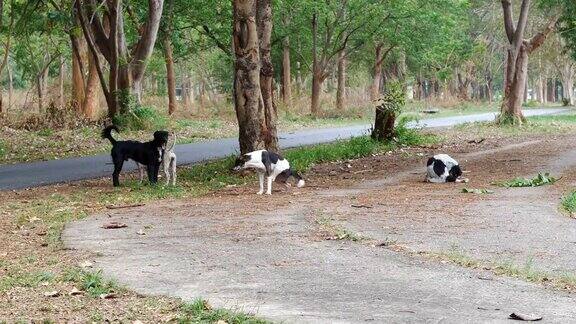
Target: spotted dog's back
<point x="442" y="168"/>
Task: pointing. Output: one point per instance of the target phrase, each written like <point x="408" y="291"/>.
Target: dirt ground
<point x="353" y="245"/>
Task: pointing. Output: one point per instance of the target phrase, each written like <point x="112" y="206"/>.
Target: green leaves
<point x="540" y="180"/>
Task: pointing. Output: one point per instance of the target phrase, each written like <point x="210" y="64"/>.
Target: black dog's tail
<point x="300" y="182"/>
<point x="107" y="133"/>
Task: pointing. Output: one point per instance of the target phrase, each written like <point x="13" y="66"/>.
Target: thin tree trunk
<point x="316" y="90"/>
<point x="286" y="73"/>
<point x="377" y="73"/>
<point x="92" y="91"/>
<point x="61" y="82"/>
<point x="341" y="89"/>
<point x="170" y="79"/>
<point x="247" y="93"/>
<point x="10" y="86"/>
<point x="264" y="22"/>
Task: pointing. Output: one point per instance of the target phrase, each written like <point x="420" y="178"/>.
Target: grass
<point x="568" y="203"/>
<point x="200" y="311"/>
<point x="339" y="233"/>
<point x="91" y="282"/>
<point x="526" y="271"/>
<point x="540" y="180"/>
<point x="548" y="124"/>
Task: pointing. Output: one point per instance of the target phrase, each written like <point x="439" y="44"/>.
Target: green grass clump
<point x="539" y="180"/>
<point x="569" y="203"/>
<point x="200" y="311"/>
<point x="92" y="283"/>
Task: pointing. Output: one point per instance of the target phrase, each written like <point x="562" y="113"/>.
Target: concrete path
<point x="18" y="176"/>
<point x="267" y="258"/>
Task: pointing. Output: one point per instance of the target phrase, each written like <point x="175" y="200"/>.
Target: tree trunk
<point x="383" y="125"/>
<point x="341" y="90"/>
<point x="517" y="60"/>
<point x="264" y="22"/>
<point x="247" y="93"/>
<point x="40" y="92"/>
<point x="92" y="92"/>
<point x="377" y="73"/>
<point x="187" y="92"/>
<point x="170" y="79"/>
<point x="568" y="72"/>
<point x="61" y="83"/>
<point x="79" y="53"/>
<point x="286" y="73"/>
<point x="316" y="90"/>
<point x="10" y="87"/>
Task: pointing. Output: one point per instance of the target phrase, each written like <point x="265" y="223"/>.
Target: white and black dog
<point x="442" y="168"/>
<point x="268" y="164"/>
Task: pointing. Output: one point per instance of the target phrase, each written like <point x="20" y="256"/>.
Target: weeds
<point x="91" y="282"/>
<point x="539" y="180"/>
<point x="200" y="311"/>
<point x="569" y="203"/>
<point x="339" y="233"/>
<point x="526" y="272"/>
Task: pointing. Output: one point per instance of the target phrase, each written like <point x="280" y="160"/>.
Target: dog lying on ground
<point x="168" y="163"/>
<point x="268" y="164"/>
<point x="148" y="153"/>
<point x="443" y="168"/>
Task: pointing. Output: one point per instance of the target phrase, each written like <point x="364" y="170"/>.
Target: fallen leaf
<point x="113" y="225"/>
<point x="141" y="232"/>
<point x="108" y="296"/>
<point x="525" y="317"/>
<point x="85" y="264"/>
<point x="75" y="292"/>
<point x="54" y="293"/>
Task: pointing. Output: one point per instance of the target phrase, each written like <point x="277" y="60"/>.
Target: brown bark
<point x="264" y="24"/>
<point x="170" y="79"/>
<point x="10" y="87"/>
<point x="517" y="60"/>
<point x="106" y="33"/>
<point x="247" y="76"/>
<point x="79" y="54"/>
<point x="341" y="87"/>
<point x="383" y="125"/>
<point x="92" y="91"/>
<point x="377" y="73"/>
<point x="286" y="73"/>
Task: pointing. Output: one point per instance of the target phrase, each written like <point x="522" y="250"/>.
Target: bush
<point x="532" y="104"/>
<point x="141" y="118"/>
<point x="565" y="102"/>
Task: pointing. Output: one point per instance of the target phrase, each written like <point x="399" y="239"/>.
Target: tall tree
<point x="247" y="93"/>
<point x="518" y="52"/>
<point x="105" y="31"/>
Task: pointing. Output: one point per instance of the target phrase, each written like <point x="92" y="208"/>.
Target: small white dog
<point x="268" y="164"/>
<point x="167" y="162"/>
<point x="442" y="168"/>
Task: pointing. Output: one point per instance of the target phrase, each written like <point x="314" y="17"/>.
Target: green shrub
<point x="565" y="102"/>
<point x="3" y="149"/>
<point x="141" y="118"/>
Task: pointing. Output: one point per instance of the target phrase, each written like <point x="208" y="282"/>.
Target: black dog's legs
<point x="152" y="172"/>
<point x="116" y="174"/>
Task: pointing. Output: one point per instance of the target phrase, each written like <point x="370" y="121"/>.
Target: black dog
<point x="148" y="154"/>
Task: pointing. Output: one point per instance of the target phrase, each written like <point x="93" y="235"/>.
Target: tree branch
<point x="508" y="24"/>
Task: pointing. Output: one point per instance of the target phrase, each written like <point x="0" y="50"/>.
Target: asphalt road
<point x="25" y="175"/>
